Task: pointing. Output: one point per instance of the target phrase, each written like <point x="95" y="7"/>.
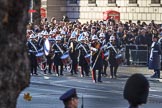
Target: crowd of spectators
<point x="126" y="33"/>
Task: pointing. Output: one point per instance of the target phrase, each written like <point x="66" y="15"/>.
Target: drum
<point x="87" y="58"/>
<point x="66" y="60"/>
<point x="41" y="59"/>
<point x="107" y="54"/>
<point x="46" y="47"/>
<point x="119" y="58"/>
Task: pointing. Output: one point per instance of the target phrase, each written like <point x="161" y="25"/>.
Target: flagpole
<point x="31" y="14"/>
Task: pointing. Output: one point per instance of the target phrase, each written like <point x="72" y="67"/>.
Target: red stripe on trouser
<point x="76" y="67"/>
<point x="81" y="72"/>
<point x="54" y="68"/>
<point x="43" y="66"/>
<point x="92" y="75"/>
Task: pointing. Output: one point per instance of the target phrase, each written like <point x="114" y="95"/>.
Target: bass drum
<point x="107" y="54"/>
<point x="66" y="60"/>
<point x="88" y="58"/>
<point x="119" y="58"/>
<point x="41" y="60"/>
<point x="46" y="47"/>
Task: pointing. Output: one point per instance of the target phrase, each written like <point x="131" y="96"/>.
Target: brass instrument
<point x="72" y="47"/>
<point x="96" y="46"/>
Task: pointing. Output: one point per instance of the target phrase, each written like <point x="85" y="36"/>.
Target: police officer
<point x="70" y="98"/>
<point x="59" y="50"/>
<point x="160" y="42"/>
<point x="112" y="58"/>
<point x="136" y="90"/>
<point x="154" y="60"/>
<point x="84" y="56"/>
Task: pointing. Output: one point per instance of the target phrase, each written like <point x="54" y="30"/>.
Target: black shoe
<point x="35" y="74"/>
<point x="71" y="74"/>
<point x="154" y="76"/>
<point x="49" y="72"/>
<point x="115" y="76"/>
<point x="100" y="81"/>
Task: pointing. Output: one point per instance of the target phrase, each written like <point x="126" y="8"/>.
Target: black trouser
<point x="74" y="68"/>
<point x="105" y="65"/>
<point x="85" y="69"/>
<point x="49" y="63"/>
<point x="61" y="69"/>
<point x="113" y="70"/>
<point x="33" y="64"/>
<point x="99" y="74"/>
<point x="157" y="72"/>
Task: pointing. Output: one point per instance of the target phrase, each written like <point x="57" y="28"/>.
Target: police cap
<point x="69" y="94"/>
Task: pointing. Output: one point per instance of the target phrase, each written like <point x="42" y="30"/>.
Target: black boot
<point x="111" y="72"/>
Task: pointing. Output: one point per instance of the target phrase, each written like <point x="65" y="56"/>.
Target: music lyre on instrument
<point x="72" y="47"/>
<point x="46" y="47"/>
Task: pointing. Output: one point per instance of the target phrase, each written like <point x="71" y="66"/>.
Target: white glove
<point x="105" y="46"/>
<point x="93" y="49"/>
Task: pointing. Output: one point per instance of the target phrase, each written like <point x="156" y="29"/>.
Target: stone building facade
<point x="85" y="10"/>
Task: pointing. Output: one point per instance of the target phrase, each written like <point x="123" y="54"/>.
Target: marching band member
<point x="32" y="46"/>
<point x="45" y="32"/>
<point x="97" y="61"/>
<point x="73" y="53"/>
<point x="112" y="60"/>
<point x="105" y="60"/>
<point x="84" y="56"/>
<point x="154" y="60"/>
<point x="59" y="50"/>
<point x="64" y="38"/>
<point x="50" y="55"/>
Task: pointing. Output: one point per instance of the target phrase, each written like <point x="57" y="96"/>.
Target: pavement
<point x="46" y="89"/>
<point x="123" y="72"/>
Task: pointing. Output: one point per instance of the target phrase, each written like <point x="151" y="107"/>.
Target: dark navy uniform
<point x="74" y="56"/>
<point x="99" y="61"/>
<point x="112" y="46"/>
<point x="57" y="58"/>
<point x="105" y="61"/>
<point x="50" y="56"/>
<point x="106" y="53"/>
<point x="32" y="46"/>
<point x="84" y="51"/>
<point x="160" y="42"/>
<point x="154" y="60"/>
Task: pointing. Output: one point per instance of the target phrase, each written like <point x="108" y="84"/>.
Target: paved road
<point x="46" y="90"/>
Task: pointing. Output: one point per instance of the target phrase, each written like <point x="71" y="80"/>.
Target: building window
<point x="155" y="1"/>
<point x="133" y="1"/>
<point x="91" y="1"/>
<point x="111" y="1"/>
<point x="73" y="1"/>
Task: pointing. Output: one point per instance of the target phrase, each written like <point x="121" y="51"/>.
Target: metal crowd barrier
<point x="136" y="54"/>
